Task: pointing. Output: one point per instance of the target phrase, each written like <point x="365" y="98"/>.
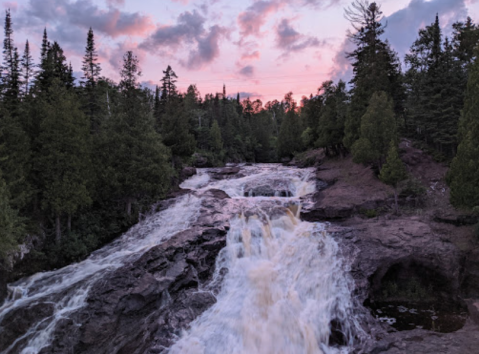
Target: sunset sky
<point x="261" y="49"/>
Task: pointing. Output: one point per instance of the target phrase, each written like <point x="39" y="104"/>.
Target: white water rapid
<point x="285" y="284"/>
<point x="279" y="283"/>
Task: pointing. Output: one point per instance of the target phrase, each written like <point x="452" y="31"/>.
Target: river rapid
<point x="280" y="283"/>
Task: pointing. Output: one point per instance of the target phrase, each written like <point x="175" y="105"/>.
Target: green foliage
<point x="289" y="138"/>
<point x="378" y="128"/>
<point x="413" y="188"/>
<point x="369" y="213"/>
<point x="463" y="176"/>
<point x="11" y="225"/>
<point x="393" y="171"/>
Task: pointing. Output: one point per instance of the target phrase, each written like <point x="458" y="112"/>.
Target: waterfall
<point x="285" y="284"/>
<point x="280" y="284"/>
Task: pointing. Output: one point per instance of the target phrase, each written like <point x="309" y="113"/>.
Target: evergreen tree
<point x="378" y="128"/>
<point x="216" y="142"/>
<point x="133" y="159"/>
<point x="168" y="88"/>
<point x="393" y="171"/>
<point x="11" y="68"/>
<point x="289" y="138"/>
<point x="465" y="38"/>
<point x="463" y="176"/>
<point x="91" y="68"/>
<point x="27" y="69"/>
<point x="63" y="159"/>
<point x="375" y="66"/>
<point x="91" y="74"/>
<point x="11" y="225"/>
<point x="330" y="128"/>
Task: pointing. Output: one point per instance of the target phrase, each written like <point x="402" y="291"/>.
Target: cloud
<point x="256" y="15"/>
<point x="189" y="30"/>
<point x="251" y="55"/>
<point x="290" y="40"/>
<point x="247" y="71"/>
<point x="403" y="25"/>
<point x="12" y="5"/>
<point x="115" y="2"/>
<point x="85" y="14"/>
<point x="188" y="27"/>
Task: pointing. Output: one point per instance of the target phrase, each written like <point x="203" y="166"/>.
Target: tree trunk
<point x="69" y="223"/>
<point x="58" y="230"/>
<point x="128" y="207"/>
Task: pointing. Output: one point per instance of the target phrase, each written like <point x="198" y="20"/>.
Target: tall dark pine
<point x="11" y="67"/>
<point x="27" y="68"/>
<point x="91" y="68"/>
<point x="375" y="66"/>
<point x="168" y="88"/>
<point x="91" y="73"/>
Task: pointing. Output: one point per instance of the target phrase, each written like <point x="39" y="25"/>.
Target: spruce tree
<point x="91" y="68"/>
<point x="11" y="68"/>
<point x="27" y="69"/>
<point x="463" y="176"/>
<point x="11" y="225"/>
<point x="378" y="128"/>
<point x="63" y="159"/>
<point x="216" y="142"/>
<point x="91" y="74"/>
<point x="135" y="163"/>
<point x="393" y="171"/>
<point x="289" y="138"/>
<point x="375" y="66"/>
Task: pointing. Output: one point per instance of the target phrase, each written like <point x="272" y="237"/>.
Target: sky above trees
<point x="261" y="49"/>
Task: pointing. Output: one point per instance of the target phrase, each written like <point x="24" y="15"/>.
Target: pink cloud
<point x="251" y="55"/>
<point x="256" y="15"/>
<point x="12" y="5"/>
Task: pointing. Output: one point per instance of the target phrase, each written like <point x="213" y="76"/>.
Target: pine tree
<point x="135" y="164"/>
<point x="63" y="159"/>
<point x="11" y="68"/>
<point x="27" y="69"/>
<point x="168" y="88"/>
<point x="216" y="142"/>
<point x="393" y="171"/>
<point x="289" y="138"/>
<point x="463" y="176"/>
<point x="11" y="225"/>
<point x="91" y="68"/>
<point x="375" y="66"/>
<point x="378" y="128"/>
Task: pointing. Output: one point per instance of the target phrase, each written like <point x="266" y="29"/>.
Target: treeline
<point x="80" y="160"/>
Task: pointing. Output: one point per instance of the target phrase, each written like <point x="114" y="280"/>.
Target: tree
<point x="289" y="138"/>
<point x="91" y="68"/>
<point x="463" y="176"/>
<point x="375" y="66"/>
<point x="27" y="68"/>
<point x="393" y="171"/>
<point x="378" y="128"/>
<point x="91" y="74"/>
<point x="11" y="68"/>
<point x="63" y="160"/>
<point x="216" y="142"/>
<point x="168" y="88"/>
<point x="134" y="162"/>
<point x="11" y="225"/>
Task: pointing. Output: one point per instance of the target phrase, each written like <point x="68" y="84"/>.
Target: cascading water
<point x="285" y="284"/>
<point x="279" y="282"/>
<point x="67" y="288"/>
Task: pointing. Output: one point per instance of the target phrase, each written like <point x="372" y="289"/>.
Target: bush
<point x="413" y="188"/>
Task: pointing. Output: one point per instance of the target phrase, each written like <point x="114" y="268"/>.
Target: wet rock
<point x="216" y="194"/>
<point x="17" y="323"/>
<point x="455" y="219"/>
<point x="473" y="307"/>
<point x="141" y="307"/>
<point x="225" y="173"/>
<point x="186" y="173"/>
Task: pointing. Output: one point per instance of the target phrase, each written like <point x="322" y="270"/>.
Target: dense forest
<point x="82" y="160"/>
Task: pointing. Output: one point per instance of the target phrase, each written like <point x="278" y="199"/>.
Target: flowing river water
<point x="280" y="284"/>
